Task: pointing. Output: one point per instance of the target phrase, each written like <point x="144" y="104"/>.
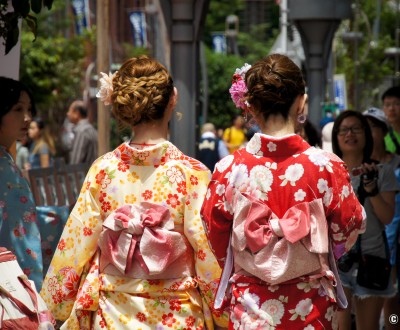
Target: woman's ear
<point x="171" y="103"/>
<point x="302" y="108"/>
<point x="173" y="99"/>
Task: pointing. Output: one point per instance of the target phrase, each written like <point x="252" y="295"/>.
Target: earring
<point x="244" y="114"/>
<point x="178" y="115"/>
<point x="302" y="118"/>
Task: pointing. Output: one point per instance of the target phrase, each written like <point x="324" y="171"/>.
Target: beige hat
<point x="378" y="114"/>
<point x="327" y="136"/>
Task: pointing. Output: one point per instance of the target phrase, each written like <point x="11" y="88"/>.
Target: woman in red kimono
<point x="279" y="212"/>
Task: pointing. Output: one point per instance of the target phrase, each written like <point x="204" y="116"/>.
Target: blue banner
<point x="138" y="23"/>
<point x="80" y="9"/>
<point x="340" y="91"/>
<point x="219" y="42"/>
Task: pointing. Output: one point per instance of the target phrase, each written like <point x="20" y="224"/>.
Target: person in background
<point x="310" y="134"/>
<point x="19" y="230"/>
<point x="235" y="135"/>
<point x="43" y="148"/>
<point x="220" y="133"/>
<point x="267" y="195"/>
<point x="66" y="139"/>
<point x="375" y="187"/>
<point x="211" y="148"/>
<point x="391" y="108"/>
<point x="22" y="153"/>
<point x="380" y="127"/>
<point x="326" y="137"/>
<point x="85" y="142"/>
<point x="134" y="254"/>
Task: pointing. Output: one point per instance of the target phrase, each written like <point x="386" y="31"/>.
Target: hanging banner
<point x="219" y="42"/>
<point x="138" y="23"/>
<point x="80" y="9"/>
<point x="340" y="91"/>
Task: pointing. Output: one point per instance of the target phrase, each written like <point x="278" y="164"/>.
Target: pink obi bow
<point x="279" y="249"/>
<point x="143" y="232"/>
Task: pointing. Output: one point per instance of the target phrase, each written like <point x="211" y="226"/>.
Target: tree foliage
<point x="365" y="64"/>
<point x="54" y="67"/>
<point x="26" y="9"/>
<point x="253" y="46"/>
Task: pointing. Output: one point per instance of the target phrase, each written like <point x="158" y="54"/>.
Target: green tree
<point x="253" y="46"/>
<point x="25" y="9"/>
<point x="371" y="65"/>
<point x="54" y="67"/>
<point x="220" y="69"/>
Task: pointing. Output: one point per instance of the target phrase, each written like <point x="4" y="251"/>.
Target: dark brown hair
<point x="142" y="88"/>
<point x="10" y="93"/>
<point x="369" y="141"/>
<point x="273" y="84"/>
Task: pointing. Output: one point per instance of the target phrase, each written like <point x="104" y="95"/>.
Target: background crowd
<point x="363" y="146"/>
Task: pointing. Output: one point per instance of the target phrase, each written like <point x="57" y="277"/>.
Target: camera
<point x="371" y="175"/>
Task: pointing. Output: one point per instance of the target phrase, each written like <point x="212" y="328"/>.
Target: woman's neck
<point x="6" y="143"/>
<point x="352" y="160"/>
<point x="277" y="126"/>
<point x="149" y="133"/>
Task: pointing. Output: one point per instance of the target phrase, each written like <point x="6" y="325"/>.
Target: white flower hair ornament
<point x="106" y="87"/>
<point x="239" y="88"/>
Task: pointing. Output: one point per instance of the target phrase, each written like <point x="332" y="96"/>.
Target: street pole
<point x="284" y="26"/>
<point x="184" y="20"/>
<point x="103" y="65"/>
<point x="317" y="22"/>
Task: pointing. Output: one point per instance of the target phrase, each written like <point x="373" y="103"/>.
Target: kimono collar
<point x="270" y="146"/>
<point x="155" y="155"/>
<point x="5" y="152"/>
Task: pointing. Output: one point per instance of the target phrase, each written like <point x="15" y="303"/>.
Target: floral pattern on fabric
<point x="18" y="226"/>
<point x="282" y="172"/>
<point x="75" y="288"/>
<point x="51" y="221"/>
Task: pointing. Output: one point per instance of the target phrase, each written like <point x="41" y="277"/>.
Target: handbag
<point x="21" y="307"/>
<point x="373" y="272"/>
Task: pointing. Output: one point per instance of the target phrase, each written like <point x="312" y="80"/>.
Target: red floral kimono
<point x="284" y="206"/>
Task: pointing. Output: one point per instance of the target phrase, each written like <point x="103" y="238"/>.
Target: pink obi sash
<point x="278" y="250"/>
<point x="141" y="241"/>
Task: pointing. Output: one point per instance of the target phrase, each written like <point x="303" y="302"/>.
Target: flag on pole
<point x="80" y="12"/>
<point x="138" y="24"/>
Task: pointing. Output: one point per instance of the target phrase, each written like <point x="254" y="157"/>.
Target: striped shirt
<point x="84" y="147"/>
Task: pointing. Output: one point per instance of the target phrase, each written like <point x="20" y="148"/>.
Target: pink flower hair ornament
<point x="238" y="88"/>
<point x="106" y="88"/>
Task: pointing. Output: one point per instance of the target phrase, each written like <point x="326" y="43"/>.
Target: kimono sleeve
<point x="77" y="245"/>
<point x="346" y="216"/>
<point x="207" y="269"/>
<point x="216" y="216"/>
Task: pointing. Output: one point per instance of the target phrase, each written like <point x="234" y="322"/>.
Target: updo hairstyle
<point x="142" y="88"/>
<point x="273" y="84"/>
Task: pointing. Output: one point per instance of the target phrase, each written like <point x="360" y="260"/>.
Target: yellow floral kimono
<point x="133" y="254"/>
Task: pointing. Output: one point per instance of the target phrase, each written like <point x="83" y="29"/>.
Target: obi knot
<point x="299" y="221"/>
<point x="143" y="233"/>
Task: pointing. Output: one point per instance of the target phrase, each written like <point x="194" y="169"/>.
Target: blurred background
<point x="62" y="63"/>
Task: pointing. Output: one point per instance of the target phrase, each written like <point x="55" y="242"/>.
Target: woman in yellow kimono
<point x="133" y="254"/>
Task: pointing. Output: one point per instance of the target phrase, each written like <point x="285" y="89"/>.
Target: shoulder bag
<point x="373" y="272"/>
